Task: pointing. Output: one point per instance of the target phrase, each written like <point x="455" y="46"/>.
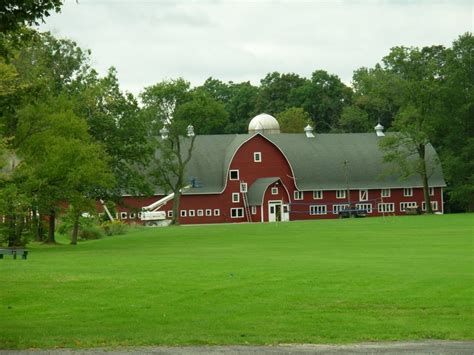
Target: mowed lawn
<point x="334" y="281"/>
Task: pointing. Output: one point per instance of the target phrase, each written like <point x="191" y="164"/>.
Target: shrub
<point x="90" y="232"/>
<point x="114" y="227"/>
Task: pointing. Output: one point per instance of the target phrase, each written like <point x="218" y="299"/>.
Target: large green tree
<point x="293" y="120"/>
<point x="14" y="13"/>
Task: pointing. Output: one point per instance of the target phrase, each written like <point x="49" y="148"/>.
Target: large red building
<point x="267" y="176"/>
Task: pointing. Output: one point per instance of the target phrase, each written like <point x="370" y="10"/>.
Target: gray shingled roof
<point x="257" y="190"/>
<point x="317" y="163"/>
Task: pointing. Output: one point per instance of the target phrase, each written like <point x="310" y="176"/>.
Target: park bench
<point x="14" y="251"/>
<point x="413" y="210"/>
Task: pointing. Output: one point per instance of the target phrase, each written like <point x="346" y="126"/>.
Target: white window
<point x="139" y="215"/>
<point x="298" y="195"/>
<point x="318" y="209"/>
<point x="340" y="193"/>
<point x="407" y="192"/>
<point x="191" y="213"/>
<point x="317" y="195"/>
<point x="367" y="207"/>
<point x="132" y="215"/>
<point x="386" y="207"/>
<point x="123" y="215"/>
<point x="363" y="195"/>
<point x="200" y="213"/>
<point x="234" y="175"/>
<point x="431" y="189"/>
<point x="434" y="205"/>
<point x="274" y="190"/>
<point x="236" y="212"/>
<point x="257" y="157"/>
<point x="243" y="187"/>
<point x="183" y="213"/>
<point x="338" y="208"/>
<point x="235" y="197"/>
<point x="385" y="193"/>
<point x="217" y="212"/>
<point x="405" y="205"/>
<point x="208" y="213"/>
<point x="170" y="213"/>
<point x="254" y="209"/>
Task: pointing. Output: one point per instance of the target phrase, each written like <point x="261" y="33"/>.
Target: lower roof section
<point x="256" y="192"/>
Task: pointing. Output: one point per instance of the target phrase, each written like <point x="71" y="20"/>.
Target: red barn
<point x="267" y="176"/>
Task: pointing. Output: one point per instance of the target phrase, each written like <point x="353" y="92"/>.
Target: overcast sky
<point x="152" y="40"/>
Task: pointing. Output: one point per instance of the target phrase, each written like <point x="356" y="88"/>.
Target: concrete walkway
<point x="415" y="347"/>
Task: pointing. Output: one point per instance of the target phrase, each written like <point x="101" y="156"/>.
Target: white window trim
<point x="183" y="213"/>
<point x="217" y="212"/>
<point x="386" y="207"/>
<point x="407" y="192"/>
<point x="318" y="195"/>
<point x="389" y="193"/>
<point x="434" y="205"/>
<point x="243" y="187"/>
<point x="318" y="210"/>
<point x="170" y="213"/>
<point x="364" y="206"/>
<point x="132" y="215"/>
<point x="259" y="155"/>
<point x="254" y="210"/>
<point x="274" y="190"/>
<point x="336" y="208"/>
<point x="235" y="197"/>
<point x="431" y="191"/>
<point x="230" y="174"/>
<point x="239" y="211"/>
<point x="362" y="193"/>
<point x="200" y="213"/>
<point x="191" y="213"/>
<point x="298" y="195"/>
<point x="341" y="194"/>
<point x="208" y="212"/>
<point x="405" y="205"/>
<point x="123" y="215"/>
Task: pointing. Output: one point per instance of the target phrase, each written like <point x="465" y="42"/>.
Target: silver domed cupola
<point x="264" y="123"/>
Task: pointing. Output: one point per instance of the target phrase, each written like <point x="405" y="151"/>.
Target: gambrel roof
<point x="317" y="163"/>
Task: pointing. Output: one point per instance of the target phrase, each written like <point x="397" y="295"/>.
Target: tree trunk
<point x="424" y="179"/>
<point x="36" y="225"/>
<point x="176" y="201"/>
<point x="52" y="226"/>
<point x="75" y="229"/>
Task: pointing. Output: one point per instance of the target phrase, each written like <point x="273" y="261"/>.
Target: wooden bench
<point x="14" y="251"/>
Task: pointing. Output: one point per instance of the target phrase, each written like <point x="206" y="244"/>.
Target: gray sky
<point x="152" y="40"/>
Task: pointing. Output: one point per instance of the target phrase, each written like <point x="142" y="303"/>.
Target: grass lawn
<point x="334" y="281"/>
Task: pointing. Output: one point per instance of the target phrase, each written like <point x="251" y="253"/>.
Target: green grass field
<point x="334" y="281"/>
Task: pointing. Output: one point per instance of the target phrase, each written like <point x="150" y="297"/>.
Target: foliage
<point x="115" y="227"/>
<point x="14" y="14"/>
<point x="293" y="120"/>
<point x="354" y="120"/>
<point x="354" y="280"/>
<point x="90" y="232"/>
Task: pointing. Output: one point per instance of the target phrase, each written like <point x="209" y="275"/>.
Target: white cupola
<point x="264" y="123"/>
<point x="309" y="131"/>
<point x="379" y="130"/>
<point x="190" y="131"/>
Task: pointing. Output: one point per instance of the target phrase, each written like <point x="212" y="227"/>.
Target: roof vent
<point x="379" y="130"/>
<point x="164" y="132"/>
<point x="190" y="131"/>
<point x="309" y="131"/>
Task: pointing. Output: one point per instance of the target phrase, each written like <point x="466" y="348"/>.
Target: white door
<point x="285" y="216"/>
<point x="274" y="211"/>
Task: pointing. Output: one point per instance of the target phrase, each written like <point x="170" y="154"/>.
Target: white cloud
<point x="148" y="41"/>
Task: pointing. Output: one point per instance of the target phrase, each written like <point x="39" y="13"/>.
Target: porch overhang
<point x="257" y="190"/>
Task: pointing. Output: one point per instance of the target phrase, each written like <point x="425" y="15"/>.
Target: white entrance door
<point x="274" y="211"/>
<point x="285" y="216"/>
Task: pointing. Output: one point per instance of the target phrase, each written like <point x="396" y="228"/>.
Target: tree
<point x="175" y="152"/>
<point x="14" y="14"/>
<point x="354" y="120"/>
<point x="293" y="120"/>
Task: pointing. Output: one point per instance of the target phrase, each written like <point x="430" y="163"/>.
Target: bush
<point x="90" y="232"/>
<point x="114" y="227"/>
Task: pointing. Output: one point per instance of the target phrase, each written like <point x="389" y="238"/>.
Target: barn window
<point x="386" y="207"/>
<point x="234" y="174"/>
<point x="407" y="192"/>
<point x="217" y="212"/>
<point x="235" y="197"/>
<point x="338" y="208"/>
<point x="170" y="213"/>
<point x="298" y="195"/>
<point x="236" y="212"/>
<point x="363" y="195"/>
<point x="434" y="205"/>
<point x="317" y="209"/>
<point x="257" y="157"/>
<point x="132" y="215"/>
<point x="431" y="189"/>
<point x="123" y="215"/>
<point x="274" y="190"/>
<point x="254" y="209"/>
<point x="183" y="213"/>
<point x="367" y="207"/>
<point x="317" y="195"/>
<point x="200" y="213"/>
<point x="208" y="213"/>
<point x="405" y="205"/>
<point x="243" y="187"/>
<point x="385" y="193"/>
<point x="340" y="193"/>
<point x="191" y="213"/>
